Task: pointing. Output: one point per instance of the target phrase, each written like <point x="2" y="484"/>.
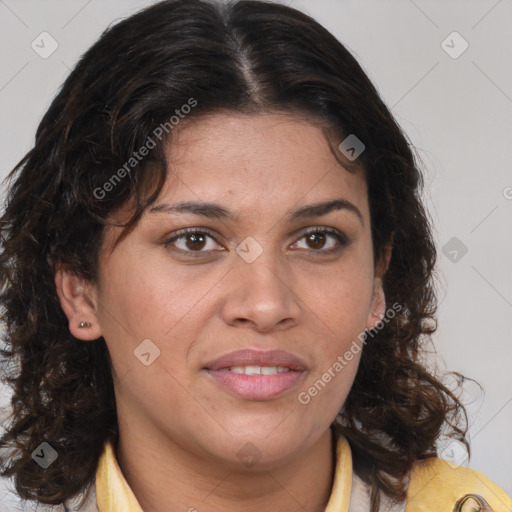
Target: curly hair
<point x="244" y="56"/>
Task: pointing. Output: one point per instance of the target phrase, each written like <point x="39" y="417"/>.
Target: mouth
<point x="257" y="375"/>
<point x="256" y="370"/>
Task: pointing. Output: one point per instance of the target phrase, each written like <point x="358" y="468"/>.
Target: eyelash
<point x="341" y="238"/>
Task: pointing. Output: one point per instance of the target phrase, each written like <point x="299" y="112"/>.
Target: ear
<point x="378" y="304"/>
<point x="78" y="299"/>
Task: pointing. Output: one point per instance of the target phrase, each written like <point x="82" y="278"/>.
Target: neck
<point x="172" y="479"/>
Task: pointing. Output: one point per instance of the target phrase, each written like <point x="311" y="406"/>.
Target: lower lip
<point x="256" y="387"/>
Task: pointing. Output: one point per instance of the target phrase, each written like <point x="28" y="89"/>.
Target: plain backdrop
<point x="443" y="68"/>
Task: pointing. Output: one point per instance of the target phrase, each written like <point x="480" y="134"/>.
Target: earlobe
<point x="378" y="309"/>
<point x="79" y="303"/>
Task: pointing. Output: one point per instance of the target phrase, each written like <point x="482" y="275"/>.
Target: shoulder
<point x="436" y="484"/>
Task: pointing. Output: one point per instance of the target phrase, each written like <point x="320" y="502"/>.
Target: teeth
<point x="259" y="370"/>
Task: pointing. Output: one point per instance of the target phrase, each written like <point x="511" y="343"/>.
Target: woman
<point x="217" y="277"/>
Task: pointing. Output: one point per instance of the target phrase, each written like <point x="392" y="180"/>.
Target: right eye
<point x="191" y="240"/>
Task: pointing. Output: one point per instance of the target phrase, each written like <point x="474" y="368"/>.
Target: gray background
<point x="456" y="111"/>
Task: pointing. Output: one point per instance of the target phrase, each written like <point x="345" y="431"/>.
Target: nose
<point x="261" y="295"/>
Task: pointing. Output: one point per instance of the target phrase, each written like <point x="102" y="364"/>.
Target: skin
<point x="179" y="429"/>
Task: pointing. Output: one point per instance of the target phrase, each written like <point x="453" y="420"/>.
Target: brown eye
<point x="195" y="241"/>
<point x="316" y="240"/>
<point x="192" y="241"/>
<point x="324" y="240"/>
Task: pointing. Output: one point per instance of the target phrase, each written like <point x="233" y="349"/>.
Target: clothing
<point x="434" y="486"/>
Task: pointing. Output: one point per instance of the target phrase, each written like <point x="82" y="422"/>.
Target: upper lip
<point x="250" y="357"/>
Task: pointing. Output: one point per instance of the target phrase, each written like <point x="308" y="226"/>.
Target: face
<point x="219" y="333"/>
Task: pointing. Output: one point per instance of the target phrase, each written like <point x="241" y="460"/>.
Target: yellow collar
<point x="113" y="492"/>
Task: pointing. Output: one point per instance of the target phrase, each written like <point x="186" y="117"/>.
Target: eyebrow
<point x="216" y="211"/>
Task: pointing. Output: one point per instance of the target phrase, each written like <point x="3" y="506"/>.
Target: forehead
<point x="261" y="158"/>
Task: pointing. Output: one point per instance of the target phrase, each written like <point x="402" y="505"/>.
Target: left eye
<point x="193" y="240"/>
<point x="318" y="238"/>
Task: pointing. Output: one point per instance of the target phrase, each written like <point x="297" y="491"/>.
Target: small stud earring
<point x="84" y="324"/>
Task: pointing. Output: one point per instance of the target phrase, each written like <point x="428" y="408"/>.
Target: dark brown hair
<point x="249" y="57"/>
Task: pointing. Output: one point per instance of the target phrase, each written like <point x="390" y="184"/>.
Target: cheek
<point x="139" y="295"/>
<point x="131" y="301"/>
<point x="147" y="299"/>
<point x="340" y="299"/>
<point x="323" y="396"/>
<point x="339" y="349"/>
<point x="341" y="303"/>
